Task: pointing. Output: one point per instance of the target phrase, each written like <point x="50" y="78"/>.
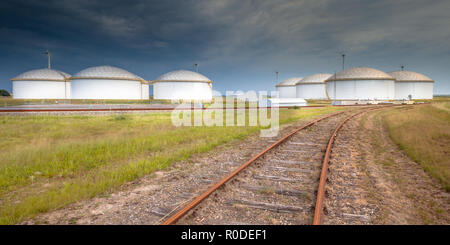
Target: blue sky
<point x="239" y="44"/>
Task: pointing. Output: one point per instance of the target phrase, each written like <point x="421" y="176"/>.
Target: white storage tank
<point x="182" y="85"/>
<point x="361" y="83"/>
<point x="108" y="82"/>
<point x="41" y="84"/>
<point x="412" y="85"/>
<point x="313" y="86"/>
<point x="286" y="88"/>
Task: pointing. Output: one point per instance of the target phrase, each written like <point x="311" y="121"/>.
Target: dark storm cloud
<point x="238" y="43"/>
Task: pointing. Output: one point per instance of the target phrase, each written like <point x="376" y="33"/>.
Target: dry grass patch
<point x="423" y="133"/>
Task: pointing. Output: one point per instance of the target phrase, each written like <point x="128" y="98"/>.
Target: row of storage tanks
<point x="359" y="83"/>
<point x="108" y="82"/>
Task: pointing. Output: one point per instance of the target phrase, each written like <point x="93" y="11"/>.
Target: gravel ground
<point x="363" y="190"/>
<point x="346" y="198"/>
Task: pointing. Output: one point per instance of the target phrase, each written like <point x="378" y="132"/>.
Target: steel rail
<point x="179" y="214"/>
<point x="318" y="210"/>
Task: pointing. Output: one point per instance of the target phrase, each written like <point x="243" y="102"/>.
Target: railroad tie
<point x="277" y="178"/>
<point x="296" y="151"/>
<point x="267" y="206"/>
<point x="356" y="216"/>
<point x="160" y="211"/>
<point x="289" y="161"/>
<point x="262" y="190"/>
<point x="305" y="144"/>
<point x="299" y="170"/>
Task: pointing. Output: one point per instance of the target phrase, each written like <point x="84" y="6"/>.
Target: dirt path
<point x="373" y="182"/>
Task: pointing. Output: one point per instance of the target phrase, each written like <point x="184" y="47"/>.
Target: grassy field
<point x="423" y="133"/>
<point x="47" y="162"/>
<point x="436" y="99"/>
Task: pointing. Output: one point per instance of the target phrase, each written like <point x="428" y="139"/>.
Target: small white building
<point x="108" y="82"/>
<point x="286" y="88"/>
<point x="41" y="84"/>
<point x="361" y="83"/>
<point x="182" y="85"/>
<point x="412" y="85"/>
<point x="313" y="86"/>
<point x="286" y="102"/>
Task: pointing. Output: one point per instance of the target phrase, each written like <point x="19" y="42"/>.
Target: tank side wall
<point x="287" y="92"/>
<point x="417" y="90"/>
<point x="423" y="90"/>
<point x="105" y="89"/>
<point x="182" y="91"/>
<point x="68" y="89"/>
<point x="38" y="90"/>
<point x="345" y="90"/>
<point x="364" y="90"/>
<point x="330" y="89"/>
<point x="145" y="91"/>
<point x="311" y="91"/>
<point x="402" y="90"/>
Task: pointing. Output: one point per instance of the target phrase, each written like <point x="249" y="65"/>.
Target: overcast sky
<point x="238" y="44"/>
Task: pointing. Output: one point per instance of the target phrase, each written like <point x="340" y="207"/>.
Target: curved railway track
<point x="283" y="184"/>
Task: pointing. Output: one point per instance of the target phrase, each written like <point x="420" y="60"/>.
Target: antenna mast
<point x="276" y="76"/>
<point x="196" y="67"/>
<point x="343" y="61"/>
<point x="48" y="55"/>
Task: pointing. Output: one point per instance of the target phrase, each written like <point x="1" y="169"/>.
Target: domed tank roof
<point x="182" y="75"/>
<point x="66" y="75"/>
<point x="105" y="72"/>
<point x="409" y="76"/>
<point x="360" y="73"/>
<point x="42" y="75"/>
<point x="289" y="82"/>
<point x="315" y="78"/>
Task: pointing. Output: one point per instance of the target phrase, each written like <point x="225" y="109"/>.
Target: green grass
<point x="436" y="99"/>
<point x="47" y="162"/>
<point x="423" y="133"/>
<point x="318" y="102"/>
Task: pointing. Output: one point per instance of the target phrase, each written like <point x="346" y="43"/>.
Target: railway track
<point x="283" y="184"/>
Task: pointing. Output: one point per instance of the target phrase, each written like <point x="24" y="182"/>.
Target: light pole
<point x="48" y="55"/>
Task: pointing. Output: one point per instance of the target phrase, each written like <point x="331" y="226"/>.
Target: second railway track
<point x="280" y="185"/>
